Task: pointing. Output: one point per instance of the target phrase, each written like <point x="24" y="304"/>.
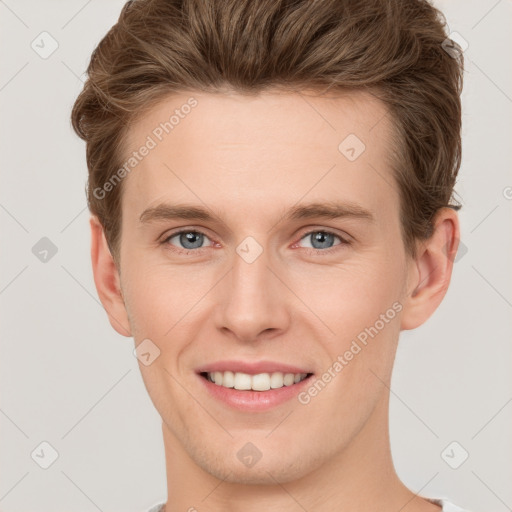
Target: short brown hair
<point x="393" y="48"/>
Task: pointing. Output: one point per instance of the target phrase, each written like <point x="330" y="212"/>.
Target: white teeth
<point x="259" y="382"/>
<point x="228" y="380"/>
<point x="276" y="380"/>
<point x="288" y="379"/>
<point x="242" y="381"/>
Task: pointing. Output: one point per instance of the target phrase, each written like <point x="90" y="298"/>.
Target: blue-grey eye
<point x="321" y="239"/>
<point x="189" y="239"/>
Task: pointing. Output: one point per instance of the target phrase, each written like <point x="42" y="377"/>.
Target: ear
<point x="106" y="278"/>
<point x="430" y="272"/>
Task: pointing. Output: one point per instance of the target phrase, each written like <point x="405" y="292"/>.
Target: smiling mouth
<point x="258" y="382"/>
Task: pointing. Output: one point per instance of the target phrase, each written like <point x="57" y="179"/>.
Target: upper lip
<point x="251" y="367"/>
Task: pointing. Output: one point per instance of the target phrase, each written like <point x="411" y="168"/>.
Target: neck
<point x="359" y="478"/>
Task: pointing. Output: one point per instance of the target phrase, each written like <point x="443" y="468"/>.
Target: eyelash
<point x="343" y="242"/>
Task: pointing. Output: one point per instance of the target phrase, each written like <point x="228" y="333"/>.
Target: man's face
<point x="254" y="285"/>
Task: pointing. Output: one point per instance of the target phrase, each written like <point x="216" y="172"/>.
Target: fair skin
<point x="247" y="161"/>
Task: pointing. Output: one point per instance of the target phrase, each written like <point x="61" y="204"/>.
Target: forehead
<point x="265" y="151"/>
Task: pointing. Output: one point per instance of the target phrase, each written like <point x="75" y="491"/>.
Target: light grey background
<point x="69" y="379"/>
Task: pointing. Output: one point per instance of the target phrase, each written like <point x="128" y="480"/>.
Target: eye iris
<point x="196" y="239"/>
<point x="323" y="238"/>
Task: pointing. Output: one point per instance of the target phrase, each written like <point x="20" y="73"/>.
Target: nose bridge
<point x="253" y="301"/>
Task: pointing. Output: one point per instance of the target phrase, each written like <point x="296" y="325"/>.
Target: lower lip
<point x="254" y="400"/>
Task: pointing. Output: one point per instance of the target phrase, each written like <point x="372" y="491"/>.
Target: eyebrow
<point x="329" y="210"/>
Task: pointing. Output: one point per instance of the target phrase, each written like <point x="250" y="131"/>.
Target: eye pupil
<point x="195" y="239"/>
<point x="191" y="237"/>
<point x="325" y="239"/>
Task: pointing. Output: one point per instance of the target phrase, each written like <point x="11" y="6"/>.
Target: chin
<point x="268" y="470"/>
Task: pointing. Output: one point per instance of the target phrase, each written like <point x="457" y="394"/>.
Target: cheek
<point x="160" y="297"/>
<point x="349" y="295"/>
<point x="358" y="305"/>
<point x="344" y="298"/>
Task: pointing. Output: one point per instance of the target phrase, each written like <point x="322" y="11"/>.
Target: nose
<point x="255" y="303"/>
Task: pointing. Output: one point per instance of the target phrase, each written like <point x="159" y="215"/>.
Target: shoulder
<point x="447" y="505"/>
<point x="157" y="508"/>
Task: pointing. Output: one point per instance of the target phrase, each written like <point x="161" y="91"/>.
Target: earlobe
<point x="431" y="270"/>
<point x="106" y="279"/>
